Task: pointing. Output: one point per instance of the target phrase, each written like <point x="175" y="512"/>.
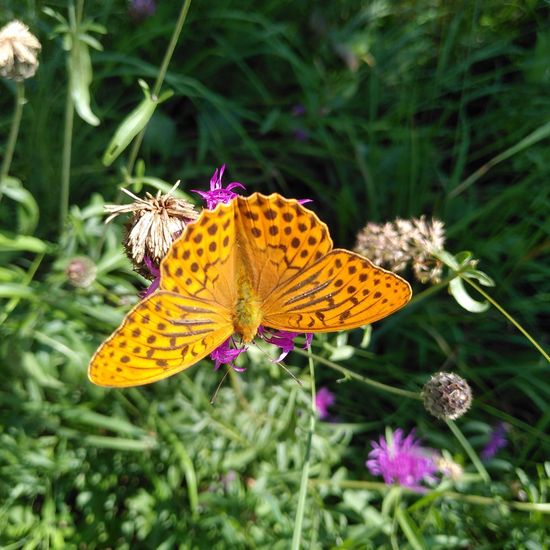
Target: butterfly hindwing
<point x="342" y="290"/>
<point x="164" y="334"/>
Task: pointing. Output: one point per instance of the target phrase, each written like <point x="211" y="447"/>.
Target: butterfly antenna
<point x="280" y="363"/>
<point x="213" y="398"/>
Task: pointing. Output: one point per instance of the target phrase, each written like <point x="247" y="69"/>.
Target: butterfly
<point x="258" y="260"/>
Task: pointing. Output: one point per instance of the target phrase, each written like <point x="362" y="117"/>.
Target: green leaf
<point x="28" y="213"/>
<point x="410" y="529"/>
<point x="459" y="293"/>
<point x="80" y="78"/>
<point x="133" y="124"/>
<point x="10" y="242"/>
<point x="16" y="290"/>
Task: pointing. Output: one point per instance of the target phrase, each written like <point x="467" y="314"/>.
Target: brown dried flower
<point x="447" y="396"/>
<point x="18" y="51"/>
<point x="156" y="222"/>
<point x="402" y="242"/>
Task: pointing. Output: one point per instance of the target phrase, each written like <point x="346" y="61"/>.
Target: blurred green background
<point x="375" y="110"/>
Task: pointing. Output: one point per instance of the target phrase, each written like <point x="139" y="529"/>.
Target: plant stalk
<point x="66" y="161"/>
<point x="160" y="80"/>
<point x="298" y="523"/>
<point x="14" y="132"/>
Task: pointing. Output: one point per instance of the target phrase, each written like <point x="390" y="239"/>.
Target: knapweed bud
<point x="447" y="395"/>
<point x="18" y="51"/>
<point x="81" y="272"/>
<point x="157" y="221"/>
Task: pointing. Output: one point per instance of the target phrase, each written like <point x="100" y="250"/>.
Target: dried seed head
<point x="449" y="468"/>
<point x="18" y="51"/>
<point x="156" y="222"/>
<point x="81" y="272"/>
<point x="384" y="245"/>
<point x="396" y="244"/>
<point x="446" y="395"/>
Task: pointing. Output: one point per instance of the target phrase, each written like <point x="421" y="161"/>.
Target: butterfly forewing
<point x="277" y="238"/>
<point x="164" y="334"/>
<point x="201" y="263"/>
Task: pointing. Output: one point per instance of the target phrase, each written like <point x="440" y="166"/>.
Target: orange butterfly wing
<point x="188" y="318"/>
<point x="341" y="291"/>
<point x="278" y="238"/>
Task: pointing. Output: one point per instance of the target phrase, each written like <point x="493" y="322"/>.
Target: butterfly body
<point x="248" y="314"/>
<point x="259" y="260"/>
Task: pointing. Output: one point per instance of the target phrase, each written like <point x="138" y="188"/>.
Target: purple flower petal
<point x="217" y="193"/>
<point x="496" y="442"/>
<point x="323" y="400"/>
<point x="402" y="461"/>
<point x="140" y="9"/>
<point x="155" y="272"/>
<point x="226" y="355"/>
<point x="283" y="339"/>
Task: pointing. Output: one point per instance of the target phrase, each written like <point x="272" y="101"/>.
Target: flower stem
<point x="349" y="373"/>
<point x="66" y="160"/>
<point x="160" y="80"/>
<point x="479" y="500"/>
<point x="298" y="524"/>
<point x="469" y="451"/>
<point x="508" y="316"/>
<point x="14" y="131"/>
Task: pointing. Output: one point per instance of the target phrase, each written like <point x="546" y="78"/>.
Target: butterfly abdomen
<point x="248" y="313"/>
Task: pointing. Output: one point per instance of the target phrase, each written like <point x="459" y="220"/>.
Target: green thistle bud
<point x="81" y="272"/>
<point x="447" y="396"/>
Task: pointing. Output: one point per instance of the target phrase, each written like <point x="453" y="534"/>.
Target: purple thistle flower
<point x="217" y="193"/>
<point x="226" y="355"/>
<point x="323" y="400"/>
<point x="141" y="9"/>
<point x="229" y="350"/>
<point x="401" y="460"/>
<point x="496" y="441"/>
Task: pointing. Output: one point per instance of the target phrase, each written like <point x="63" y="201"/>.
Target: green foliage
<point x="409" y="108"/>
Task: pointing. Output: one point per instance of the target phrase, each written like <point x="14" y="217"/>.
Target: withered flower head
<point x="447" y="396"/>
<point x="18" y="51"/>
<point x="397" y="244"/>
<point x="156" y="222"/>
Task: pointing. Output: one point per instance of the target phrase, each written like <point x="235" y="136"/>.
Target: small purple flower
<point x="155" y="272"/>
<point x="283" y="340"/>
<point x="323" y="400"/>
<point x="217" y="193"/>
<point x="229" y="350"/>
<point x="300" y="134"/>
<point x="226" y="355"/>
<point x="141" y="9"/>
<point x="496" y="441"/>
<point x="298" y="110"/>
<point x="402" y="460"/>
